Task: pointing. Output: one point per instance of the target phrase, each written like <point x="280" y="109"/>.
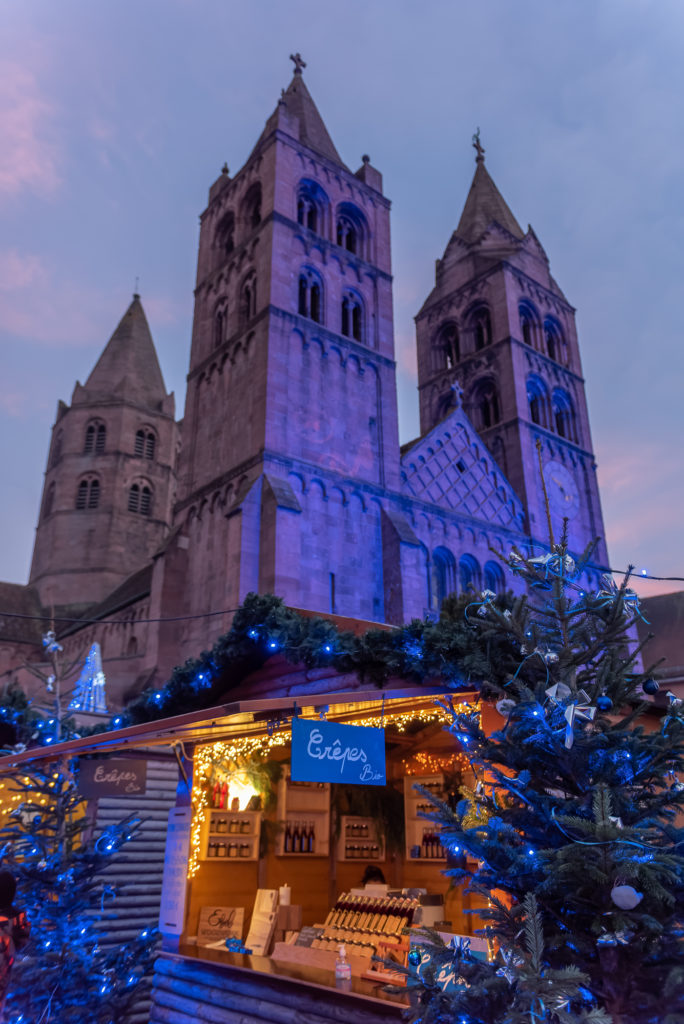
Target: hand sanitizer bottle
<point x="342" y="969"/>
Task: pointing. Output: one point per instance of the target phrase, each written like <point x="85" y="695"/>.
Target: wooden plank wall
<point x="193" y="992"/>
<point x="137" y="871"/>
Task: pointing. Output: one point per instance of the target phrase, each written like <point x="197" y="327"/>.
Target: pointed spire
<point x="128" y="366"/>
<point x="485" y="204"/>
<point x="296" y="101"/>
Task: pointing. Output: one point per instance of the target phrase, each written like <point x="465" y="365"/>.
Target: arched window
<point x="309" y="296"/>
<point x="252" y="207"/>
<point x="88" y="494"/>
<point x="486" y="402"/>
<point x="57" y="448"/>
<point x="311" y="205"/>
<point x="140" y="499"/>
<point x="468" y="574"/>
<point x="219" y="327"/>
<point x="554" y="340"/>
<point x="248" y="298"/>
<point x="538" y="401"/>
<point x="347" y="235"/>
<point x="494" y="579"/>
<point x="49" y="500"/>
<point x="225" y="234"/>
<point x="95" y="438"/>
<point x="145" y="444"/>
<point x="350" y="229"/>
<point x="447" y="347"/>
<point x="352" y="316"/>
<point x="442" y="577"/>
<point x="481" y="326"/>
<point x="564" y="415"/>
<point x="529" y="323"/>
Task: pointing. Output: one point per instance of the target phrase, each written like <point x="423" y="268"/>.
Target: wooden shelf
<point x="224" y="830"/>
<point x="416" y="827"/>
<point x="369" y="838"/>
<point x="304" y="803"/>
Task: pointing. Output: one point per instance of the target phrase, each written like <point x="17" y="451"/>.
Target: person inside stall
<point x="372" y="876"/>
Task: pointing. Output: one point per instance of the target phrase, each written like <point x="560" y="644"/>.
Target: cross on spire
<point x="298" y="63"/>
<point x="478" y="147"/>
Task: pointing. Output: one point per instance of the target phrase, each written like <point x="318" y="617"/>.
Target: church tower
<point x="290" y="427"/>
<point x="110" y="478"/>
<point x="497" y="327"/>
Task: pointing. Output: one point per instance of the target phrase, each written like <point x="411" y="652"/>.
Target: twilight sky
<point x="115" y="117"/>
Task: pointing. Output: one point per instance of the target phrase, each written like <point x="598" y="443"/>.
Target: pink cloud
<point x="28" y="156"/>
<point x="19" y="270"/>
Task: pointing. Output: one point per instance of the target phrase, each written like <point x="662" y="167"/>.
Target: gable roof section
<point x="18" y="599"/>
<point x="128" y="366"/>
<point x="451" y="467"/>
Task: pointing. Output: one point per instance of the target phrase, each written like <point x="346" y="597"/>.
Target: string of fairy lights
<point x="230" y="757"/>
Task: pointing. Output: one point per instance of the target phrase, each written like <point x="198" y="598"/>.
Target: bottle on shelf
<point x="287" y="842"/>
<point x="311" y="839"/>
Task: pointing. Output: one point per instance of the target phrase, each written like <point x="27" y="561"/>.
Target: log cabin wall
<point x="196" y="992"/>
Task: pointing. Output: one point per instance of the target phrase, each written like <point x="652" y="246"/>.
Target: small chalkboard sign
<point x="307" y="935"/>
<point x="112" y="776"/>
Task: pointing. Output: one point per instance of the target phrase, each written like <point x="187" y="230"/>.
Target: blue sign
<point x="329" y="752"/>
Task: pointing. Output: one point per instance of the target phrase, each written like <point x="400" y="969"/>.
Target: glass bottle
<point x="287" y="842"/>
<point x="311" y="839"/>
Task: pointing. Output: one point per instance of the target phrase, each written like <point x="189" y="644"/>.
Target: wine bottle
<point x="296" y="838"/>
<point x="311" y="839"/>
<point x="287" y="845"/>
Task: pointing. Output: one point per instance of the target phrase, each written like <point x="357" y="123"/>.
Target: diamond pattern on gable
<point x="450" y="467"/>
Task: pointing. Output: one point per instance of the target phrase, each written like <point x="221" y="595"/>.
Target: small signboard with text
<point x="216" y="923"/>
<point x="112" y="776"/>
<point x="329" y="752"/>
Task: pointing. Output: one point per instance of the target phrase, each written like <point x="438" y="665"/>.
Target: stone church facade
<point x="286" y="475"/>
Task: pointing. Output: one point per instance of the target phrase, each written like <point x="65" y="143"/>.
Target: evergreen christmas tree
<point x="68" y="973"/>
<point x="579" y="857"/>
<point x="65" y="976"/>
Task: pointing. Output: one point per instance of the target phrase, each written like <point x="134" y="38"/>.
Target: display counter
<point x="204" y="985"/>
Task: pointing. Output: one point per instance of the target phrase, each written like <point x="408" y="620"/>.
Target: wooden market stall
<point x="261" y="859"/>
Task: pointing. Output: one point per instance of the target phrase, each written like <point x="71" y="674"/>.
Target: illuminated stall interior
<point x="253" y="828"/>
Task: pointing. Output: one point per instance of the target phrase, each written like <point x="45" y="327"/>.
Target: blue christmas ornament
<point x="415" y="956"/>
<point x="604" y="703"/>
<point x="651" y="687"/>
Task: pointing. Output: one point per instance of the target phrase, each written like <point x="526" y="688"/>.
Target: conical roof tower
<point x="110" y="479"/>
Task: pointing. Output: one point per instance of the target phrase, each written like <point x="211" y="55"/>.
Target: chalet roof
<point x="485" y="205"/>
<point x="128" y="366"/>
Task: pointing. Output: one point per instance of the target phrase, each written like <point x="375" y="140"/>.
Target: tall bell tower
<point x="497" y="327"/>
<point x="290" y="431"/>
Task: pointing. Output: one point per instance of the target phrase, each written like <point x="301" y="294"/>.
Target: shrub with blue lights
<point x="69" y="972"/>
<point x="575" y="853"/>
